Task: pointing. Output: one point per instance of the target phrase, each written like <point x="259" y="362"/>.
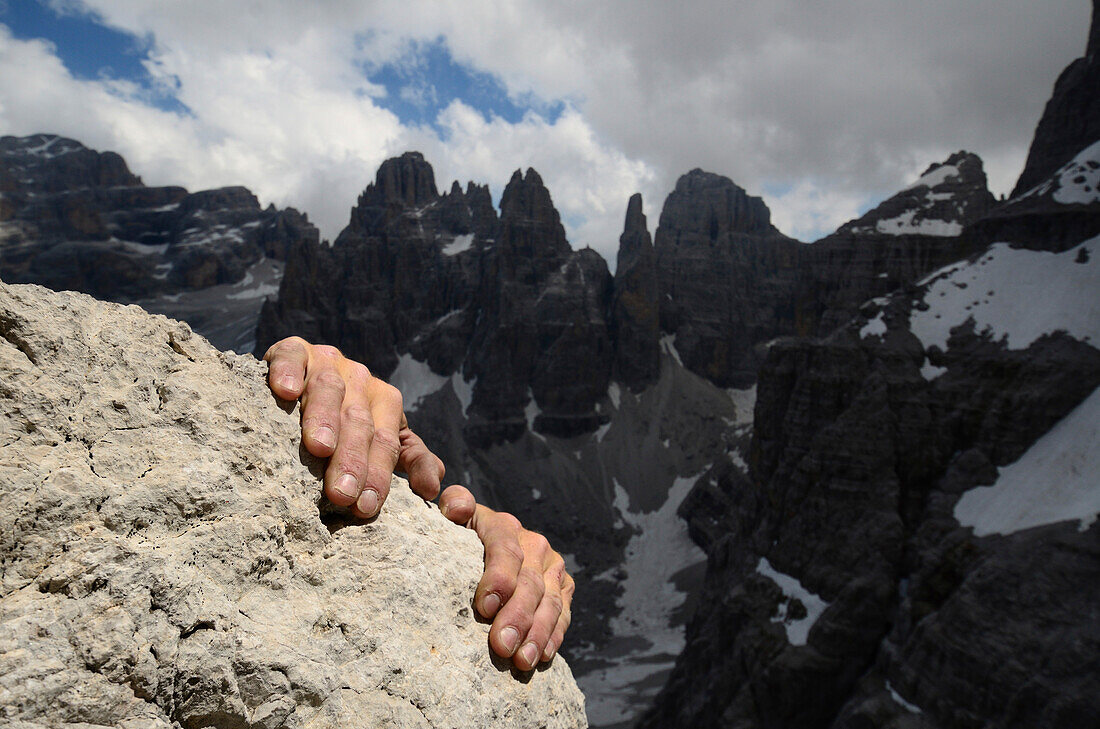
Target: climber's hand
<point x="525" y="589"/>
<point x="355" y="418"/>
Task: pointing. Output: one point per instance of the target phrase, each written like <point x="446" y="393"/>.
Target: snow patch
<point x="464" y="391"/>
<point x="1015" y="295"/>
<point x="744" y="402"/>
<point x="936" y="177"/>
<point x="911" y="708"/>
<point x="648" y="603"/>
<point x="531" y="412"/>
<point x="415" y="380"/>
<point x="602" y="431"/>
<point x="874" y="328"/>
<point x="256" y="292"/>
<point x="1079" y="180"/>
<point x="459" y="244"/>
<point x="905" y="224"/>
<point x="668" y="344"/>
<point x="930" y="371"/>
<point x="797" y="630"/>
<point x="1057" y="479"/>
<point x="614" y="393"/>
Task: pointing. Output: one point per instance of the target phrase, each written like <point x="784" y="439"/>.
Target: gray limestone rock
<point x="165" y="562"/>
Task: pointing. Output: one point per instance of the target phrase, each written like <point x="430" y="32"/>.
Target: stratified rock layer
<point x="165" y="562"/>
<point x="724" y="277"/>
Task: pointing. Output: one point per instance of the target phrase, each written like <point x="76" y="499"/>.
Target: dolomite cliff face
<point x="165" y="562"/>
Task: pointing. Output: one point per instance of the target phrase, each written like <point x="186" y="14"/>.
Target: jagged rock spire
<point x="634" y="313"/>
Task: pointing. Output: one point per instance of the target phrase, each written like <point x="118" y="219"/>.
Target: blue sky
<point x="824" y="110"/>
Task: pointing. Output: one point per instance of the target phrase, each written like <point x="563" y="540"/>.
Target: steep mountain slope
<point x="74" y="218"/>
<point x="1071" y="119"/>
<point x="907" y="236"/>
<point x="864" y="442"/>
<point x="915" y="542"/>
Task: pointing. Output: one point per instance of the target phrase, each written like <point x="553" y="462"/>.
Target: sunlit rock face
<point x="167" y="562"/>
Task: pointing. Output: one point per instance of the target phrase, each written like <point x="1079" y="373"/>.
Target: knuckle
<point x="330" y="380"/>
<point x="359" y="375"/>
<point x="290" y="345"/>
<point x="511" y="549"/>
<point x="358" y="417"/>
<point x="352" y="464"/>
<point x="390" y="395"/>
<point x="326" y="351"/>
<point x="509" y="522"/>
<point x="555" y="601"/>
<point x="531" y="580"/>
<point x="388" y="442"/>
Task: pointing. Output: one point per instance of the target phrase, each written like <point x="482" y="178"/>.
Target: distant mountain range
<point x="881" y="443"/>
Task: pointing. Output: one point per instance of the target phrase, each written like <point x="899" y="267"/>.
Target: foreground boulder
<point x="165" y="562"/>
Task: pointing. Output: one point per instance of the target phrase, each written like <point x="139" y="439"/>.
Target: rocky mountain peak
<point x="711" y="204"/>
<point x="47" y="163"/>
<point x="408" y="180"/>
<point x="634" y="315"/>
<point x="530" y="227"/>
<point x="635" y="218"/>
<point x="1093" y="49"/>
<point x="947" y="197"/>
<point x="1071" y="119"/>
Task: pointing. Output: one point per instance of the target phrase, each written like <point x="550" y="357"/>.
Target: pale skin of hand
<point x="356" y="421"/>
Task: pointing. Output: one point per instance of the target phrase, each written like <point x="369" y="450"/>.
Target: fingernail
<point x="348" y="486"/>
<point x="490" y="605"/>
<point x="444" y="509"/>
<point x="508" y="638"/>
<point x="549" y="651"/>
<point x="529" y="653"/>
<point x="325" y="436"/>
<point x="368" y="502"/>
<point x="289" y="382"/>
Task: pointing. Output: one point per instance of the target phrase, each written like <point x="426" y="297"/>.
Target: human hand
<point x="525" y="589"/>
<point x="356" y="421"/>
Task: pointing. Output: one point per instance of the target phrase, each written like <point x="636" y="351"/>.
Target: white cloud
<point x="840" y="103"/>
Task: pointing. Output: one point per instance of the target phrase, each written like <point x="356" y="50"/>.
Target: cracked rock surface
<point x="165" y="562"/>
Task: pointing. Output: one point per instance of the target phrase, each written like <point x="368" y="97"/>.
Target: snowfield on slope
<point x="1057" y="479"/>
<point x="1015" y="295"/>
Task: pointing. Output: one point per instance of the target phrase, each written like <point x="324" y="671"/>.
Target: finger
<point x="322" y="402"/>
<point x="546" y="615"/>
<point x="347" y="469"/>
<point x="424" y="469"/>
<point x="503" y="558"/>
<point x="457" y="504"/>
<point x="514" y="621"/>
<point x="385" y="446"/>
<point x="286" y="370"/>
<point x="558" y="635"/>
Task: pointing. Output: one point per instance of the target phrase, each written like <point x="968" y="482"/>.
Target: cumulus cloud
<point x="835" y="105"/>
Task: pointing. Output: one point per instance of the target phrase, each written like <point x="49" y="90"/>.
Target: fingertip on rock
<point x="368" y="502"/>
<point x="490" y="604"/>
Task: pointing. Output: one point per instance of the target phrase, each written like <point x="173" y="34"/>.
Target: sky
<point x="823" y="109"/>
